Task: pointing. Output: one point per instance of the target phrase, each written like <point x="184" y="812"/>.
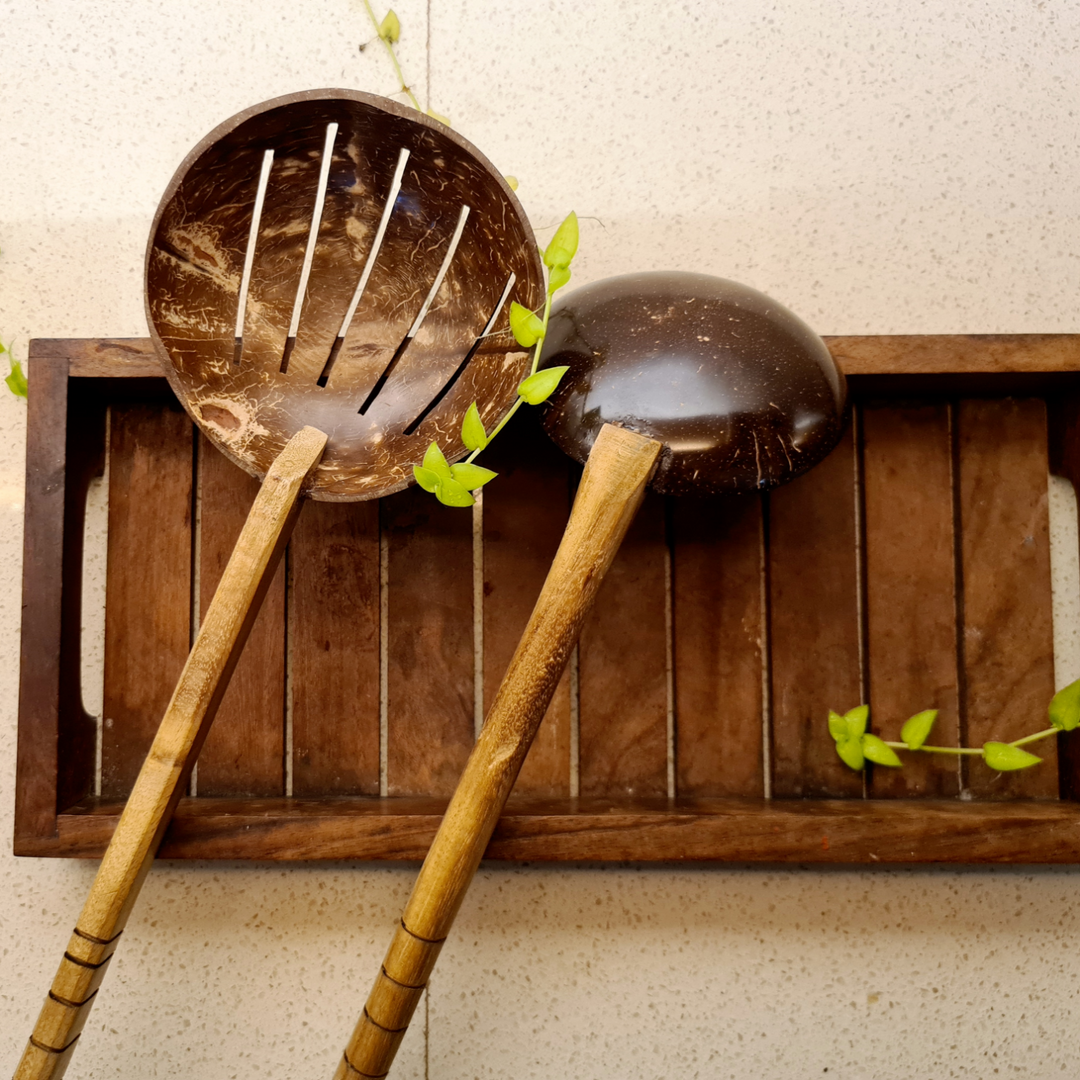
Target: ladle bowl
<point x="741" y="392"/>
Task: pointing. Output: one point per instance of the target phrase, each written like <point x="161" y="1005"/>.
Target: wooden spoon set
<point x="328" y="284"/>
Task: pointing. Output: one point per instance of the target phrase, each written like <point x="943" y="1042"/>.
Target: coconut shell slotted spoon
<point x="327" y="280"/>
<point x="694" y="383"/>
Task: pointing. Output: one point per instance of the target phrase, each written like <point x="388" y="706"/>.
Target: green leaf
<point x="880" y="754"/>
<point x="16" y="381"/>
<point x="512" y="182"/>
<point x="436" y="461"/>
<point x="527" y="326"/>
<point x="564" y="244"/>
<point x="471" y="477"/>
<point x="851" y="753"/>
<point x="856" y="720"/>
<point x="428" y="479"/>
<point x="539" y="387"/>
<point x="1005" y="758"/>
<point x="558" y="277"/>
<point x="451" y="493"/>
<point x="1065" y="708"/>
<point x="837" y="726"/>
<point x="390" y="28"/>
<point x="916" y="729"/>
<point x="473" y="434"/>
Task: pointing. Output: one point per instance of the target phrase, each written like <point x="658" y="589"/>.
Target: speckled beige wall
<point x="880" y="167"/>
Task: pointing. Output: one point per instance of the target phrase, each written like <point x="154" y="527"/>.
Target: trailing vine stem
<point x="454" y="485"/>
<point x="537" y="348"/>
<point x="855" y="745"/>
<point x="389" y="31"/>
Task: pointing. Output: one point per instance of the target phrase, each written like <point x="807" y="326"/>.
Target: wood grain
<point x="525" y="512"/>
<point x="813" y="625"/>
<point x="623" y="725"/>
<point x="148" y="603"/>
<point x="718" y="633"/>
<point x="585" y="830"/>
<point x="123" y="358"/>
<point x="430" y="643"/>
<point x="334" y="649"/>
<point x="934" y="354"/>
<point x="40" y="660"/>
<point x="866" y="354"/>
<point x="1008" y="644"/>
<point x="245" y="751"/>
<point x="910" y="588"/>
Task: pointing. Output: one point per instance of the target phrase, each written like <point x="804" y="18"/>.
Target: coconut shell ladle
<point x="693" y="382"/>
<point x="327" y="283"/>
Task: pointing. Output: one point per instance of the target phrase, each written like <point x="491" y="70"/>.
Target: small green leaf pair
<point x="452" y="485"/>
<point x="854" y="744"/>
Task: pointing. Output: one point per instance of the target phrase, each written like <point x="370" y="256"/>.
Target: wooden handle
<point x="611" y="492"/>
<point x="163" y="777"/>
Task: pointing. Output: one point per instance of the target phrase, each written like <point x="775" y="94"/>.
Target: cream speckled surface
<point x="880" y="168"/>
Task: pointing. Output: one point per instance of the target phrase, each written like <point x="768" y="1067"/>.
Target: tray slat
<point x="717" y="617"/>
<point x="1007" y="616"/>
<point x="334" y="649"/>
<point x="244" y="753"/>
<point x="431" y="717"/>
<point x="525" y="512"/>
<point x="148" y="603"/>
<point x="623" y="716"/>
<point x="910" y="588"/>
<point x="814" y="625"/>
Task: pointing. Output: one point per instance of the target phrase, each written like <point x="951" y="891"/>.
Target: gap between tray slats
<point x="911" y="567"/>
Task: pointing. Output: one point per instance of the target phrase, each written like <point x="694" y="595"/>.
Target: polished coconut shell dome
<point x="741" y="392"/>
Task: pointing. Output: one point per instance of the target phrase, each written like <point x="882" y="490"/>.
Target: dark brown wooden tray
<point x="911" y="570"/>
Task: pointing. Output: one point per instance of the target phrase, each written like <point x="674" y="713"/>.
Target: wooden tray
<point x="911" y="569"/>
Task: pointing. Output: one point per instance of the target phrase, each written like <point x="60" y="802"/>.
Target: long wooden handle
<point x="611" y="492"/>
<point x="163" y="777"/>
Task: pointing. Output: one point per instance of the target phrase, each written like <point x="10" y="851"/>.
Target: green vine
<point x="855" y="745"/>
<point x="388" y="30"/>
<point x="454" y="485"/>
